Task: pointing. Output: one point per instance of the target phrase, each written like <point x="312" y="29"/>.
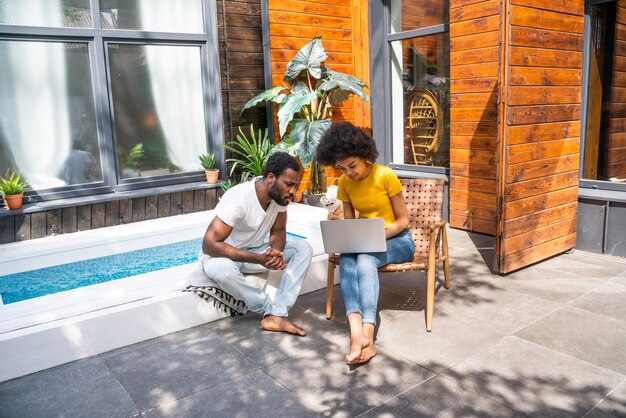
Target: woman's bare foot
<point x="281" y="324"/>
<point x="367" y="353"/>
<point x="357" y="344"/>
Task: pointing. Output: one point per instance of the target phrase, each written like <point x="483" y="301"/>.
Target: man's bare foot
<point x="281" y="324"/>
<point x="357" y="344"/>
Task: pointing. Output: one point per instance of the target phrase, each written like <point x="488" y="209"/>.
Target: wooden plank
<point x="471" y="183"/>
<point x="474" y="57"/>
<point x="542" y="150"/>
<point x="539" y="236"/>
<point x="7" y="229"/>
<point x="112" y="213"/>
<point x="188" y="201"/>
<point x="126" y="211"/>
<point x="537" y="38"/>
<point x="475" y="11"/>
<point x="211" y="197"/>
<point x="307" y="32"/>
<point x="542" y="76"/>
<point x="476" y="26"/>
<point x="464" y="114"/>
<point x="473" y="197"/>
<point x="163" y="205"/>
<point x="543" y="95"/>
<point x="97" y="215"/>
<point x="481" y="171"/>
<point x="467" y="142"/>
<point x="176" y="200"/>
<point x="564" y="7"/>
<point x="541" y="252"/>
<point x="54" y="222"/>
<point x="22" y="227"/>
<point x="473" y="100"/>
<point x="317" y="21"/>
<point x="544" y="19"/>
<point x="543" y="132"/>
<point x="68" y="224"/>
<point x="313" y="8"/>
<point x="474" y="128"/>
<point x="542" y="185"/>
<point x="38" y="222"/>
<point x="540" y="219"/>
<point x="472" y="42"/>
<point x="534" y="57"/>
<point x="464" y="209"/>
<point x="521" y="115"/>
<point x="83" y="218"/>
<point x="473" y="224"/>
<point x="474" y="85"/>
<point x="199" y="200"/>
<point x="541" y="168"/>
<point x="488" y="69"/>
<point x="152" y="207"/>
<point x="473" y="156"/>
<point x="139" y="209"/>
<point x="530" y="205"/>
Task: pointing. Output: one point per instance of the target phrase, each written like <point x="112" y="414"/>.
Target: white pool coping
<point x="43" y="332"/>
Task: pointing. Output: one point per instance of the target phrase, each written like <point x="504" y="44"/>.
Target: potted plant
<point x="250" y="153"/>
<point x="12" y="189"/>
<point x="305" y="103"/>
<point x="208" y="163"/>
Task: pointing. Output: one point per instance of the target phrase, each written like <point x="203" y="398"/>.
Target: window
<point x="604" y="123"/>
<point x="127" y="101"/>
<point x="419" y="75"/>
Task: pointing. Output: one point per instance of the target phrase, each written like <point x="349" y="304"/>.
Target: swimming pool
<point x="55" y="328"/>
<point x="49" y="280"/>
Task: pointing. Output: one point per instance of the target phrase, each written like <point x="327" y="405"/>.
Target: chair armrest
<point x="438" y="225"/>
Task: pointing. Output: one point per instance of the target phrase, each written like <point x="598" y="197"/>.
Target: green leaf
<point x="250" y="153"/>
<point x="309" y="58"/>
<point x="345" y="82"/>
<point x="273" y="94"/>
<point x="292" y="106"/>
<point x="307" y="135"/>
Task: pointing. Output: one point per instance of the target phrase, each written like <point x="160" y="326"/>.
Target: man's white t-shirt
<point x="240" y="208"/>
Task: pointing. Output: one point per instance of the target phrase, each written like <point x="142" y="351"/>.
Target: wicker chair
<point x="425" y="126"/>
<point x="424" y="202"/>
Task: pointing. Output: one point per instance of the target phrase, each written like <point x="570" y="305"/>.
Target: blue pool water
<point x="45" y="281"/>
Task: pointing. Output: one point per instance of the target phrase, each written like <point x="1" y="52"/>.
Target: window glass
<point x="152" y="15"/>
<point x="605" y="137"/>
<point x="420" y="80"/>
<point x="54" y="13"/>
<point x="159" y="109"/>
<point x="409" y="15"/>
<point x="47" y="118"/>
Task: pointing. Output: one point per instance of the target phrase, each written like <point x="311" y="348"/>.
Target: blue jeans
<point x="359" y="274"/>
<point x="228" y="275"/>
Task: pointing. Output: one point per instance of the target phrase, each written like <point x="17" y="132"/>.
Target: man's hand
<point x="273" y="259"/>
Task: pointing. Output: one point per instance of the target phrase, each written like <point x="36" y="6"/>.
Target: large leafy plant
<point x="249" y="153"/>
<point x="305" y="103"/>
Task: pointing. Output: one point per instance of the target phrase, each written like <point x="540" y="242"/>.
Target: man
<point x="234" y="244"/>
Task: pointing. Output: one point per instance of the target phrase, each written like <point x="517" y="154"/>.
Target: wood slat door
<point x="539" y="130"/>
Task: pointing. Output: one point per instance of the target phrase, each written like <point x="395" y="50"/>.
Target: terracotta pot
<point x="14" y="201"/>
<point x="212" y="175"/>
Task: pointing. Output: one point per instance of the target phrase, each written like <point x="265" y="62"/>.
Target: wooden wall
<point x="474" y="68"/>
<point x="343" y="27"/>
<point x="616" y="158"/>
<point x="240" y="43"/>
<point x="540" y="130"/>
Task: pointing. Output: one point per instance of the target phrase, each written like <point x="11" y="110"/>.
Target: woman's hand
<point x="333" y="258"/>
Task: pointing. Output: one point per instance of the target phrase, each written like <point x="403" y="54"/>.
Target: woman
<point x="375" y="192"/>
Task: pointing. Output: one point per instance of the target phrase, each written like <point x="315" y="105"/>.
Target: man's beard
<point x="275" y="195"/>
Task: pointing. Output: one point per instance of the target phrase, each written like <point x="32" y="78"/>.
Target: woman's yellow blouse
<point x="371" y="196"/>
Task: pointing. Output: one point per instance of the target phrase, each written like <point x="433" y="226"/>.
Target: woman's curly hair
<point x="343" y="140"/>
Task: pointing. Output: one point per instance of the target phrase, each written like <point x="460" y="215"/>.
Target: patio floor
<point x="548" y="340"/>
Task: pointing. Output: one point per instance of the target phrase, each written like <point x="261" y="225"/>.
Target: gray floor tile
<point x="264" y="348"/>
<point x="440" y="397"/>
<point x="177" y="365"/>
<point x="535" y="380"/>
<point x="588" y="336"/>
<point x="608" y="299"/>
<point x="324" y="382"/>
<point x="81" y="388"/>
<point x="255" y="395"/>
<point x="580" y="264"/>
<point x="549" y="284"/>
<point x="612" y="406"/>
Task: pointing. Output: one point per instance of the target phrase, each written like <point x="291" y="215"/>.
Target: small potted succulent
<point x="12" y="189"/>
<point x="208" y="163"/>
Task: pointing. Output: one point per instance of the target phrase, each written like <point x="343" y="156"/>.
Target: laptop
<point x="354" y="235"/>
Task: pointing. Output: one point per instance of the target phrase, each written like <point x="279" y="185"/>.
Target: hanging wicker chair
<point x="425" y="125"/>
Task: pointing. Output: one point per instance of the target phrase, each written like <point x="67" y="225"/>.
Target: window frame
<point x="618" y="189"/>
<point x="97" y="39"/>
<point x="381" y="38"/>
